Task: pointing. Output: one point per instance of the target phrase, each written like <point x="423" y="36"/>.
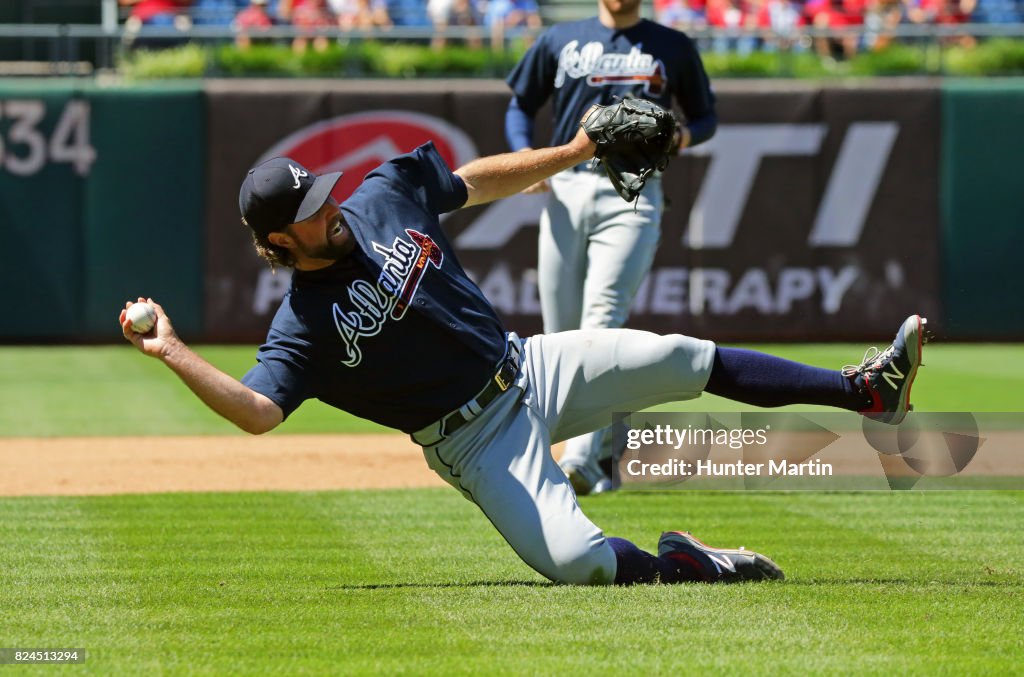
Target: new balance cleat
<point x="717" y="565"/>
<point x="886" y="377"/>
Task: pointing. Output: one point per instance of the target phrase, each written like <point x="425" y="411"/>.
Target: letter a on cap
<point x="296" y="174"/>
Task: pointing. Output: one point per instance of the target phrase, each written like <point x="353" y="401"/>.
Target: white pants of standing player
<point x="569" y="384"/>
<point x="594" y="252"/>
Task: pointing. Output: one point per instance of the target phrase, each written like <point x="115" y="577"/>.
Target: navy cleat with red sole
<point x="717" y="565"/>
<point x="886" y="377"/>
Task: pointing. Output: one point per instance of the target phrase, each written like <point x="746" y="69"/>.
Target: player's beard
<point x="338" y="242"/>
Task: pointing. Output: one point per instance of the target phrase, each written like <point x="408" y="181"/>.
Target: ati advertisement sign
<point x="810" y="215"/>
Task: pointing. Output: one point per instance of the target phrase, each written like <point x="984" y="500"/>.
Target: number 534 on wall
<point x="24" y="146"/>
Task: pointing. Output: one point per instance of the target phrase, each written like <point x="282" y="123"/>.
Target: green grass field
<point x="418" y="582"/>
<point x="115" y="391"/>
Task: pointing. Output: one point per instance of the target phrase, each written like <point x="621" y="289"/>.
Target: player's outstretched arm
<point x="252" y="412"/>
<point x="497" y="176"/>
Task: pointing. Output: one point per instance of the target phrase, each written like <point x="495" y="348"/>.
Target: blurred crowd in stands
<point x="738" y="25"/>
<point x="493" y="17"/>
<point x="745" y="25"/>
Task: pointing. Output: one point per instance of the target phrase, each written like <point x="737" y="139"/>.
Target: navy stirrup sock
<point x="767" y="381"/>
<point x="636" y="566"/>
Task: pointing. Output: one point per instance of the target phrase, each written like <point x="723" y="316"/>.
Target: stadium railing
<point x="57" y="49"/>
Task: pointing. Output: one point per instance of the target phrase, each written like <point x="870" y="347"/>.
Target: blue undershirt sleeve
<point x="518" y="126"/>
<point x="693" y="92"/>
<point x="702" y="128"/>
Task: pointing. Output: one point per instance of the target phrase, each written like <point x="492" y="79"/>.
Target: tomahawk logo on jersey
<point x="405" y="262"/>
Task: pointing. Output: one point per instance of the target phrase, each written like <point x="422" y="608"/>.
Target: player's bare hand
<point x="582" y="143"/>
<point x="539" y="187"/>
<point x="158" y="340"/>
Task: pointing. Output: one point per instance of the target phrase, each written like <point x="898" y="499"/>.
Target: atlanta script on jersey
<point x="603" y="69"/>
<point x="405" y="262"/>
<point x="582" y="63"/>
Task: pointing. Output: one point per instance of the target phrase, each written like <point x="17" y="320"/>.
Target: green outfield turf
<point x="418" y="582"/>
<point x="115" y="390"/>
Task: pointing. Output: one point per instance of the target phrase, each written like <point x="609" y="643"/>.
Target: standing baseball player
<point x="382" y="321"/>
<point x="595" y="249"/>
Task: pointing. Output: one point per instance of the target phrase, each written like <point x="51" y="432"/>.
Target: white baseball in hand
<point x="143" y="317"/>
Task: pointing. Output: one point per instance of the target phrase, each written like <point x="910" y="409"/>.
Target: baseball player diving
<point x="377" y="287"/>
<point x="595" y="249"/>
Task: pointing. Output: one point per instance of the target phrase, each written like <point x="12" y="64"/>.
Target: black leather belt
<point x="504" y="377"/>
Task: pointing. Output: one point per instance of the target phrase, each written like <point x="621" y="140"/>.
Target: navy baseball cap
<point x="280" y="191"/>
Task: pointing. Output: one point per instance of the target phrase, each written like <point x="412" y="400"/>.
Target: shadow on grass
<point x="799" y="582"/>
<point x="467" y="584"/>
<point x="900" y="581"/>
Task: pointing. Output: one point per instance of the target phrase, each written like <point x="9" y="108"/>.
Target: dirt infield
<point x="80" y="466"/>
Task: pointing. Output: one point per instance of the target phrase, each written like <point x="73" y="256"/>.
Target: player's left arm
<point x="497" y="176"/>
<point x="693" y="92"/>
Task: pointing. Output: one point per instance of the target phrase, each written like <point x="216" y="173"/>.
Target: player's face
<point x="620" y="7"/>
<point x="324" y="236"/>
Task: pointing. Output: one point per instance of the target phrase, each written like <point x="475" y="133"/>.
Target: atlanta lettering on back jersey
<point x="591" y="62"/>
<point x="582" y="63"/>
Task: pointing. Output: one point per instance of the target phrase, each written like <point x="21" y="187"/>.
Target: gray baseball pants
<point x="594" y="251"/>
<point x="569" y="384"/>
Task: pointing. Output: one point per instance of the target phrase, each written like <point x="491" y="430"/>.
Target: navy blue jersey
<point x="396" y="333"/>
<point x="583" y="63"/>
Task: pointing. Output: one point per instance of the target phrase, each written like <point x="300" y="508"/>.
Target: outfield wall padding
<point x="41" y="220"/>
<point x="121" y="217"/>
<point x="817" y="212"/>
<point x="983" y="209"/>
